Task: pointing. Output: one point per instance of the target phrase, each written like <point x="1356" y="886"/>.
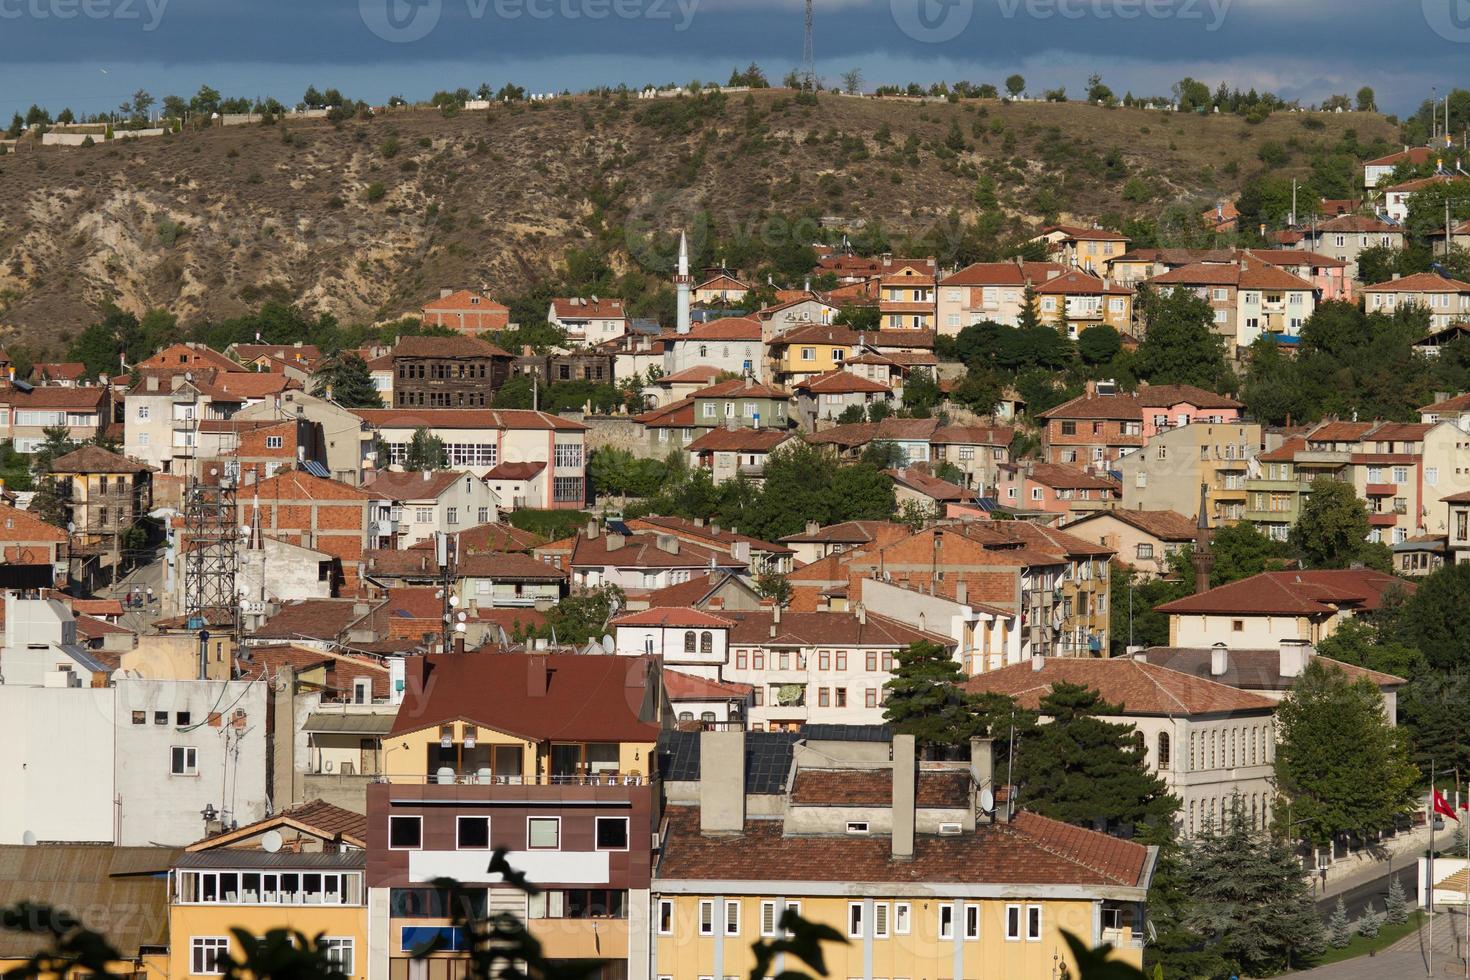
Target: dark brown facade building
<point x="447" y="372"/>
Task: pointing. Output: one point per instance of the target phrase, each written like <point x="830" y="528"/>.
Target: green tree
<point x="582" y="617"/>
<point x="1341" y="765"/>
<point x="1239" y="550"/>
<point x="1359" y="642"/>
<point x="1367" y="100"/>
<point x="348" y="382"/>
<point x="1249" y="898"/>
<point x="1015" y="85"/>
<point x="925" y="699"/>
<point x="773" y="586"/>
<point x="1099" y="345"/>
<point x="921" y="393"/>
<point x="1435" y="619"/>
<point x="1083" y="770"/>
<point x="1332" y="531"/>
<point x="1396" y="906"/>
<point x="980" y="391"/>
<point x="425" y="452"/>
<point x="517" y="392"/>
<point x="1180" y="345"/>
<point x="1339" y="929"/>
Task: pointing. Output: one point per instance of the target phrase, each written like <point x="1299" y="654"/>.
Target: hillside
<point x="209" y="224"/>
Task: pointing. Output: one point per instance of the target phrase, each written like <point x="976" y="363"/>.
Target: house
<point x="1168" y="470"/>
<point x="989" y="292"/>
<point x="1140" y="264"/>
<point x="1055" y="488"/>
<point x="1096" y="428"/>
<point x="1223" y="217"/>
<point x="103" y="496"/>
<point x="721" y="289"/>
<point x="589" y="322"/>
<point x="1082" y="248"/>
<point x="311" y="512"/>
<point x="977" y="451"/>
<point x="26" y="413"/>
<point x="447" y="372"/>
<point x="1421" y="555"/>
<point x="826" y="397"/>
<point x="639" y="563"/>
<point x="465" y="312"/>
<point x="1328" y="275"/>
<point x="742" y="403"/>
<point x="180" y="357"/>
<point x="1144" y="540"/>
<point x="1275" y="491"/>
<point x="517" y="486"/>
<point x="25" y="539"/>
<point x="432" y="502"/>
<point x="65" y="374"/>
<point x="1380" y="167"/>
<point x="550" y="757"/>
<point x="1209" y="742"/>
<point x="671" y="426"/>
<point x="807" y="352"/>
<point x="338" y="439"/>
<point x="1263" y="610"/>
<point x="929" y="494"/>
<point x="731" y="453"/>
<point x="731" y="344"/>
<point x="802" y="311"/>
<point x="715" y="591"/>
<point x="671" y="388"/>
<point x="479" y="440"/>
<point x="301" y="870"/>
<point x="1249" y="297"/>
<point x="886" y="851"/>
<point x="906" y="296"/>
<point x="164" y="409"/>
<point x="1076" y="300"/>
<point x="596" y="366"/>
<point x="1395" y="206"/>
<point x="1347" y="237"/>
<point x="1446" y="300"/>
<point x="297" y="357"/>
<point x="817" y="542"/>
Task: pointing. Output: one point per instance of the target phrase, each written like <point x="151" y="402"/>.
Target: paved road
<point x="1357" y="898"/>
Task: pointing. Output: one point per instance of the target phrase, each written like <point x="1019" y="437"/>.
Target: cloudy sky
<point x="91" y="54"/>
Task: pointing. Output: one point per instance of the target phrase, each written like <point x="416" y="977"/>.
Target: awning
<point x="362" y="723"/>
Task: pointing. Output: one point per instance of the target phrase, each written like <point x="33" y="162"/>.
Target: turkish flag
<point x="1442" y="807"/>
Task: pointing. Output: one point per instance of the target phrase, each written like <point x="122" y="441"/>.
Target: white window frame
<point x="665" y="924"/>
<point x="856" y="915"/>
<point x="770" y="920"/>
<point x="706" y="917"/>
<point x="945" y="920"/>
<point x="903" y="918"/>
<point x="334" y="947"/>
<point x="461" y="819"/>
<point x="405" y="816"/>
<point x="882" y="921"/>
<point x="275" y="442"/>
<point x="972" y="921"/>
<point x="188" y="764"/>
<point x="732" y="923"/>
<point x="1034" y="910"/>
<point x="219" y="945"/>
<point x="533" y="847"/>
<point x="1014" y="925"/>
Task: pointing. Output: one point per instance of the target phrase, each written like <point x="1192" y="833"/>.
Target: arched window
<point x="689" y="642"/>
<point x="1164" y="753"/>
<point x="686" y="716"/>
<point x="706" y="642"/>
<point x="706" y="716"/>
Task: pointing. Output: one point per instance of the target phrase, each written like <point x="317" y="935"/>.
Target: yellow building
<point x="1075" y="301"/>
<point x="301" y="870"/>
<point x="1085" y="248"/>
<point x="891" y="856"/>
<point x="807" y="352"/>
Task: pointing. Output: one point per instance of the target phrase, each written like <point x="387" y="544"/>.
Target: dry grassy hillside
<point x="369" y="218"/>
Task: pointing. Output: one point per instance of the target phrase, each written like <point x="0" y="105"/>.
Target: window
<point x="482" y="515"/>
<point x="665" y="917"/>
<point x="706" y="642"/>
<point x="206" y="953"/>
<point x="140" y="717"/>
<point x="689" y="641"/>
<point x="768" y="918"/>
<point x="274" y="442"/>
<point x="1013" y="923"/>
<point x="972" y="922"/>
<point x="423" y="515"/>
<point x="472" y="833"/>
<point x="1033" y="923"/>
<point x="706" y="917"/>
<point x="732" y="918"/>
<point x="870" y="698"/>
<point x="1145" y="551"/>
<point x="880" y="920"/>
<point x="1164" y="752"/>
<point x="902" y="918"/>
<point x="854" y="920"/>
<point x="160" y="717"/>
<point x="858" y="827"/>
<point x="181" y="718"/>
<point x="808" y="353"/>
<point x="840" y="693"/>
<point x="405" y="833"/>
<point x="543" y="833"/>
<point x="339" y="952"/>
<point x="143" y="439"/>
<point x="452" y="516"/>
<point x="184" y="760"/>
<point x="612" y="833"/>
<point x="946" y="922"/>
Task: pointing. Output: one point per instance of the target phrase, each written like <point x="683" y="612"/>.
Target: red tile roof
<point x="702" y="374"/>
<point x="426" y="485"/>
<point x="464" y="299"/>
<point x="1138" y="688"/>
<point x="95" y="459"/>
<point x="816" y="333"/>
<point x="753" y="628"/>
<point x="466" y="418"/>
<point x="874" y="787"/>
<point x="1078" y="283"/>
<point x="1085" y="234"/>
<point x="1166" y="525"/>
<point x="515" y="471"/>
<point x="840" y="382"/>
<point x="726" y="328"/>
<point x="743" y="388"/>
<point x="586" y="698"/>
<point x="1301" y="593"/>
<point x="1059" y="476"/>
<point x="1420" y="282"/>
<point x="673" y="616"/>
<point x="739" y="440"/>
<point x="586" y="309"/>
<point x="430" y="346"/>
<point x="686" y="687"/>
<point x="932" y="487"/>
<point x="1003" y="274"/>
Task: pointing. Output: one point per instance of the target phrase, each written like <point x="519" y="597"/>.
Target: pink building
<point x="1054" y="489"/>
<point x="1329" y="275"/>
<point x="1094" y="429"/>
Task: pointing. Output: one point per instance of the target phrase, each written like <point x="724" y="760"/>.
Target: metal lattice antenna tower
<point x="808" y="58"/>
<point x="211" y="557"/>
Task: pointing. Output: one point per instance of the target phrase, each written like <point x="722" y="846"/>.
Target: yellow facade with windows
<point x="474" y="753"/>
<point x="892" y="936"/>
<point x="188" y="925"/>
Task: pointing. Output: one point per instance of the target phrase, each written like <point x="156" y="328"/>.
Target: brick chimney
<point x="904" y="780"/>
<point x="538" y="675"/>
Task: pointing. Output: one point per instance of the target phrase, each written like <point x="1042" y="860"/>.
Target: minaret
<point x="683" y="282"/>
<point x="1204" y="559"/>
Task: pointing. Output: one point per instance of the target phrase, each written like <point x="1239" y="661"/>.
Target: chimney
<point x="812" y="527"/>
<point x="721" y="782"/>
<point x="615" y="541"/>
<point x="1295" y="655"/>
<point x="862" y="614"/>
<point x="593" y="529"/>
<point x="1037" y="663"/>
<point x="538" y="671"/>
<point x="445" y="293"/>
<point x="904" y="778"/>
<point x="667" y="543"/>
<point x="428" y="475"/>
<point x="776" y="614"/>
<point x="1219" y="660"/>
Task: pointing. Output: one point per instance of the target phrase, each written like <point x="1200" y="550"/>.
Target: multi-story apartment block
<point x="906" y="296"/>
<point x="447" y="372"/>
<point x="908" y="860"/>
<point x="26" y="413"/>
<point x="1249" y="297"/>
<point x="1346" y="237"/>
<point x="1168" y="470"/>
<point x="1055" y="488"/>
<point x="589" y="322"/>
<point x="1083" y="248"/>
<point x="1097" y="428"/>
<point x="989" y="291"/>
<point x="1075" y="301"/>
<point x="551" y="757"/>
<point x="1446" y="300"/>
<point x="742" y="403"/>
<point x="1144" y="540"/>
<point x="426" y="503"/>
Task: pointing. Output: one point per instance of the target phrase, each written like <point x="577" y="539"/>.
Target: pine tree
<point x="1397" y="904"/>
<point x="1249" y="900"/>
<point x="925" y="699"/>
<point x="1339" y="933"/>
<point x="425" y="452"/>
<point x="1030" y="317"/>
<point x="1370" y="922"/>
<point x="349" y="383"/>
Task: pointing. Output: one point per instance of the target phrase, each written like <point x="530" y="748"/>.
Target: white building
<point x="41" y="647"/>
<point x="426" y="503"/>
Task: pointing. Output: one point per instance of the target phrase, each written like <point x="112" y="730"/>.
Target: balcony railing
<point x="449" y="777"/>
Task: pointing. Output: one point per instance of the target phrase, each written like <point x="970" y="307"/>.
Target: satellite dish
<point x="28" y="838"/>
<point x="607" y="642"/>
<point x="987" y="799"/>
<point x="271" y="841"/>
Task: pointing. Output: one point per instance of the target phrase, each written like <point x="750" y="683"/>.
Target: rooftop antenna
<point x="808" y="59"/>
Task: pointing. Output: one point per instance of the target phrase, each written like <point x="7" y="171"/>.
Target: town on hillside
<point x="1085" y="603"/>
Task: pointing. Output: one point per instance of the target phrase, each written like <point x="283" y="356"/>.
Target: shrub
<point x="389" y="148"/>
<point x="375" y="192"/>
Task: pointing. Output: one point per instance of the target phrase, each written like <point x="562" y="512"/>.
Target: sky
<point x="91" y="55"/>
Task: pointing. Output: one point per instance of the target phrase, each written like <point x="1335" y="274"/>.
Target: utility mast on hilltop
<point x="808" y="58"/>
